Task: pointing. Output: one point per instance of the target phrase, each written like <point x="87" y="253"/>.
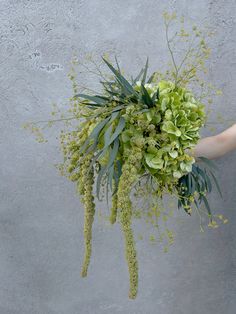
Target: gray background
<point x="41" y="219"/>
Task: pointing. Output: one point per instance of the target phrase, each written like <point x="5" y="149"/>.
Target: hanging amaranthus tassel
<point x="113" y="214"/>
<point x="89" y="211"/>
<point x="128" y="177"/>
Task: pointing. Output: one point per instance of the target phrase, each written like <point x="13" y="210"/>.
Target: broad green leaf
<point x="169" y="127"/>
<point x="154" y="161"/>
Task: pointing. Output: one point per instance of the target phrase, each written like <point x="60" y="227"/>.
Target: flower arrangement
<point x="139" y="130"/>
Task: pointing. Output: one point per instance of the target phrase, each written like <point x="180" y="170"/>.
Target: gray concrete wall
<point x="41" y="219"/>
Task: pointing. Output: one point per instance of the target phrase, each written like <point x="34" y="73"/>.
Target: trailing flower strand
<point x="127" y="179"/>
<point x="89" y="210"/>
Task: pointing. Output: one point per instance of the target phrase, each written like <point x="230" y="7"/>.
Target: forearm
<point x="216" y="146"/>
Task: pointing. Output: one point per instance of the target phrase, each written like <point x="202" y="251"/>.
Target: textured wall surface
<point x="41" y="219"/>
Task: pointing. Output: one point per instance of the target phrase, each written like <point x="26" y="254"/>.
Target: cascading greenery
<point x="136" y="129"/>
<point x="136" y="135"/>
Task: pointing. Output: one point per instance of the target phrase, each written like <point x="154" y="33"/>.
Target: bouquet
<point x="137" y="130"/>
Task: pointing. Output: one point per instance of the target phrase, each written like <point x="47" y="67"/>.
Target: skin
<point x="213" y="147"/>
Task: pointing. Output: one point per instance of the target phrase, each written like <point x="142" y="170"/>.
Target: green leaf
<point x="114" y="115"/>
<point x="107" y="134"/>
<point x="202" y="174"/>
<point x="151" y="77"/>
<point x="127" y="87"/>
<point x="118" y="130"/>
<point x="99" y="100"/>
<point x="209" y="162"/>
<point x="216" y="183"/>
<point x="138" y="77"/>
<point x="94" y="159"/>
<point x="117" y="64"/>
<point x="208" y="182"/>
<point x="113" y="153"/>
<point x="145" y="72"/>
<point x="95" y="133"/>
<point x="155" y="96"/>
<point x="207" y="205"/>
<point x="146" y="97"/>
<point x="154" y="161"/>
<point x="109" y="168"/>
<point x="99" y="179"/>
<point x="169" y="127"/>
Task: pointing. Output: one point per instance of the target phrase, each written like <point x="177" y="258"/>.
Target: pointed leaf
<point x="95" y="133"/>
<point x="99" y="100"/>
<point x="207" y="205"/>
<point x="146" y="97"/>
<point x="209" y="162"/>
<point x="118" y="130"/>
<point x="138" y="77"/>
<point x="127" y="87"/>
<point x="145" y="72"/>
<point x="99" y="180"/>
<point x="151" y="77"/>
<point x="117" y="64"/>
<point x="216" y="183"/>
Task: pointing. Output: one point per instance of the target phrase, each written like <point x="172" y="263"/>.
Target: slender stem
<point x="171" y="52"/>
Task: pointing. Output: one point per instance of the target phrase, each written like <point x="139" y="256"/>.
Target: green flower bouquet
<point x="134" y="131"/>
